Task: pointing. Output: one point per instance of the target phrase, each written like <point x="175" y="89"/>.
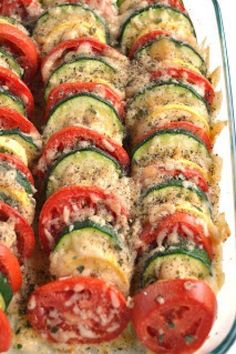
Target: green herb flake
<point x="54" y="329"/>
<point x="189" y="339"/>
<point x="161" y="338"/>
<point x="80" y="269"/>
<point x="171" y="324"/>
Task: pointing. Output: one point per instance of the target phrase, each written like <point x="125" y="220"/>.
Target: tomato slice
<point x="88" y="310"/>
<point x="10" y="119"/>
<point x="184" y="224"/>
<point x="198" y="132"/>
<point x="145" y="39"/>
<point x="71" y="201"/>
<point x="24" y="232"/>
<point x="18" y="88"/>
<point x="189" y="76"/>
<point x="22" y="47"/>
<point x="56" y="55"/>
<point x="68" y="89"/>
<point x="25" y="10"/>
<point x="5" y="333"/>
<point x="10" y="267"/>
<point x="174" y="316"/>
<point x="18" y="164"/>
<point x="68" y="138"/>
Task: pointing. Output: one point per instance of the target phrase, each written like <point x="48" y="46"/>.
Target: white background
<point x="228" y="8"/>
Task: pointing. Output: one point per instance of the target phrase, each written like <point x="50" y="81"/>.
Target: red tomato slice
<point x="190" y="173"/>
<point x="5" y="333"/>
<point x="22" y="47"/>
<point x="174" y="316"/>
<point x="10" y="268"/>
<point x="56" y="55"/>
<point x="78" y="310"/>
<point x="68" y="139"/>
<point x="183" y="222"/>
<point x="25" y="10"/>
<point x="146" y="38"/>
<point x="18" y="164"/>
<point x="71" y="201"/>
<point x="68" y="89"/>
<point x="24" y="232"/>
<point x="189" y="76"/>
<point x="18" y="88"/>
<point x="10" y="119"/>
<point x="198" y="132"/>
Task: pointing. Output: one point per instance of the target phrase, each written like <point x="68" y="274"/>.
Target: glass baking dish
<point x="207" y="19"/>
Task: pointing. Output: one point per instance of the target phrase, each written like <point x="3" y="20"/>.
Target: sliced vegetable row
<point x="83" y="225"/>
<point x="171" y="109"/>
<point x="20" y="144"/>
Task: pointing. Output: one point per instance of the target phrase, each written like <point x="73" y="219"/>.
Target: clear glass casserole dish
<point x="207" y="19"/>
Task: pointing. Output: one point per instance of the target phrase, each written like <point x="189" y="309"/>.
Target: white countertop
<point x="228" y="7"/>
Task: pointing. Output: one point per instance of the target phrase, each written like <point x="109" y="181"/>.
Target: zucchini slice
<point x="163" y="94"/>
<point x="11" y="101"/>
<point x="6" y="292"/>
<point x="8" y="61"/>
<point x="175" y="190"/>
<point x="87" y="110"/>
<point x="177" y="262"/>
<point x="68" y="21"/>
<point x="19" y="177"/>
<point x="172" y="50"/>
<point x="26" y="141"/>
<point x="84" y="69"/>
<point x="89" y="249"/>
<point x="72" y="169"/>
<point x="13" y="147"/>
<point x="165" y="143"/>
<point x="88" y="227"/>
<point x="155" y="17"/>
<point x="12" y="21"/>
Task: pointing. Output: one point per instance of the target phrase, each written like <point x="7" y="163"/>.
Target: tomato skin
<point x="68" y="138"/>
<point x="25" y="234"/>
<point x="10" y="119"/>
<point x="68" y="89"/>
<point x="18" y="164"/>
<point x="182" y="308"/>
<point x="189" y="76"/>
<point x="191" y="173"/>
<point x="59" y="51"/>
<point x="10" y="267"/>
<point x="67" y="197"/>
<point x="5" y="333"/>
<point x="92" y="294"/>
<point x="204" y="137"/>
<point x="20" y="8"/>
<point x="148" y="37"/>
<point x="150" y="234"/>
<point x="22" y="47"/>
<point x="18" y="88"/>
